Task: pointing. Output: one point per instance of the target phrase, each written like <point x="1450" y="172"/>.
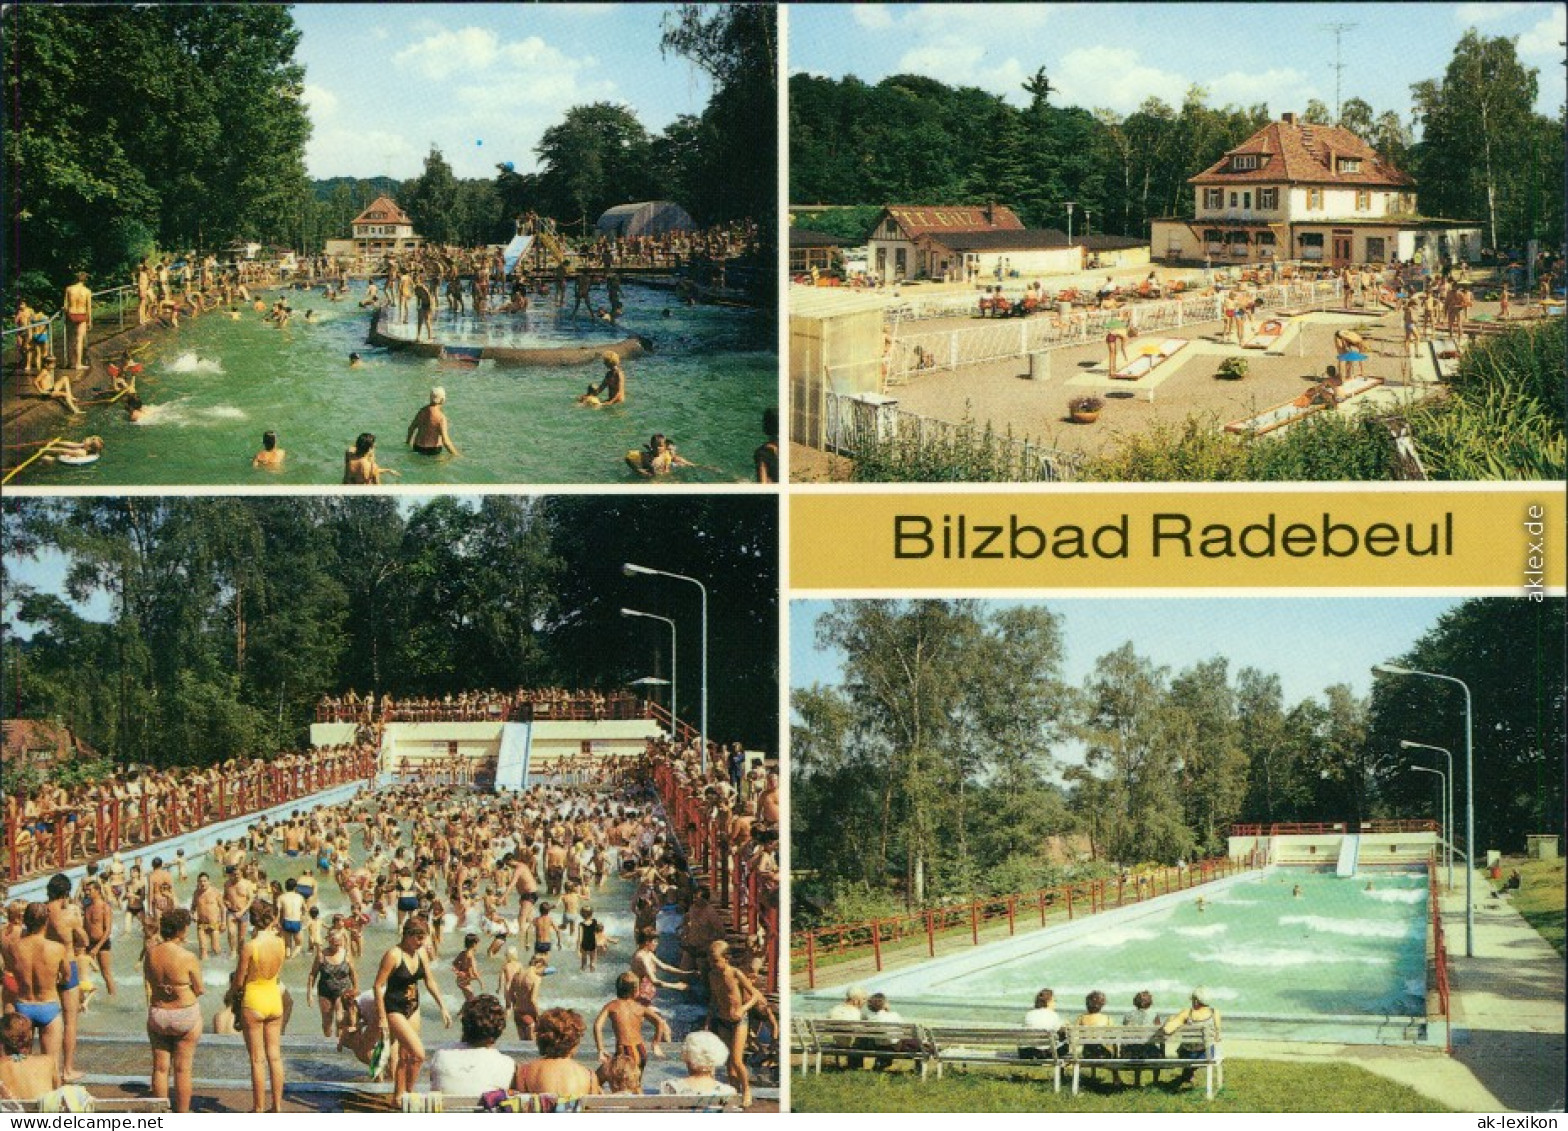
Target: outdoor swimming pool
<point x="113" y="1033"/>
<point x="215" y="384"/>
<point x="1338" y="962"/>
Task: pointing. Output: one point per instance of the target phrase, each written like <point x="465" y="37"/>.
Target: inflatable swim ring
<point x="76" y="461"/>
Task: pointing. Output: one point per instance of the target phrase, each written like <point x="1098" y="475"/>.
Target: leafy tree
<point x="430" y="200"/>
<point x="598" y="156"/>
<point x="1477" y="128"/>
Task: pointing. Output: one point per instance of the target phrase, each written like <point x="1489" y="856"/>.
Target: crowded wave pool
<point x="215" y="384"/>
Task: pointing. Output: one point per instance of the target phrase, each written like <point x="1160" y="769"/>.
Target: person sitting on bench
<point x="1200" y="1012"/>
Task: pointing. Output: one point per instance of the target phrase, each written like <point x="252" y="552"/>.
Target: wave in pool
<point x="1357" y="928"/>
<point x="1204" y="932"/>
<point x="191" y="362"/>
<point x="1407" y="895"/>
<point x="180" y="414"/>
<point x="1281" y="957"/>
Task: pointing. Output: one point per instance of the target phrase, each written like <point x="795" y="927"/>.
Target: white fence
<point x="999" y="340"/>
<point x="851" y="425"/>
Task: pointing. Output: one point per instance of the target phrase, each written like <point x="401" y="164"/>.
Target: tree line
<point x="955" y="759"/>
<point x="134" y="130"/>
<point x="1484" y="153"/>
<point x="230" y="618"/>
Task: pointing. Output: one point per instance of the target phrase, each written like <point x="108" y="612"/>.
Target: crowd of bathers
<point x="480" y="706"/>
<point x="518" y="874"/>
<point x="50" y="826"/>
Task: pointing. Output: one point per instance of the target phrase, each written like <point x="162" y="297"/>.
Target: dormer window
<point x="1242" y="162"/>
<point x="1350" y="164"/>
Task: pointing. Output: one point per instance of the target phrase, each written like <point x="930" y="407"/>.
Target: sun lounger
<point x="1141" y="366"/>
<point x="102" y="1104"/>
<point x="971" y="1044"/>
<point x="1268" y="334"/>
<point x="1445" y="357"/>
<point x="1299" y="408"/>
<point x="1140" y="1047"/>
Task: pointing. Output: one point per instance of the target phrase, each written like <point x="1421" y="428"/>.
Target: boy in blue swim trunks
<point x="42" y="966"/>
<point x="291" y="916"/>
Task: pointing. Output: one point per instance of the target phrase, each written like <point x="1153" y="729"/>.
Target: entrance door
<point x="1341" y="256"/>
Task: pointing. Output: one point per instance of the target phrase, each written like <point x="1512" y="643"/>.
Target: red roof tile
<point x="917" y="220"/>
<point x="1293" y="152"/>
<point x="389" y="213"/>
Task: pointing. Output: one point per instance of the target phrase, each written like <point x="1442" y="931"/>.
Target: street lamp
<point x="674" y="723"/>
<point x="631" y="569"/>
<point x="1441" y="809"/>
<point x="1395" y="669"/>
<point x="1071" y="204"/>
<point x="1406" y="744"/>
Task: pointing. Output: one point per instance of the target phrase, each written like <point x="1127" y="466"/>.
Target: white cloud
<point x="321" y="101"/>
<point x="348" y="152"/>
<point x="1001" y="23"/>
<point x="449" y="51"/>
<point x="1486" y="12"/>
<point x="1114" y="77"/>
<point x="1282" y="88"/>
<point x="965" y="64"/>
<point x="873" y="17"/>
<point x="1546" y="37"/>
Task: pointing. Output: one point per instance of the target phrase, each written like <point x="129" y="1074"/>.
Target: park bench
<point x="100" y="1104"/>
<point x="860" y="1040"/>
<point x="429" y="1102"/>
<point x="1137" y="1047"/>
<point x="972" y="1044"/>
<point x="802" y="1042"/>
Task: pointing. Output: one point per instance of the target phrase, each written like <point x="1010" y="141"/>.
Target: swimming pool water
<point x="215" y="384"/>
<point x="1338" y="949"/>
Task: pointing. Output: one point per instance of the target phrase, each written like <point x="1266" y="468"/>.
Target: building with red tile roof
<point x="382" y="228"/>
<point x="1312" y="193"/>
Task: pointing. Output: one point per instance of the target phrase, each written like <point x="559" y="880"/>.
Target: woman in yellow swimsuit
<point x="261" y="1006"/>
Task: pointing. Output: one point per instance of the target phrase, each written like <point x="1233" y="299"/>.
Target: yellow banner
<point x="1503" y="538"/>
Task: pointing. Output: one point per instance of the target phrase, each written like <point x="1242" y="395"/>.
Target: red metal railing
<point x="1298" y="828"/>
<point x="577" y="708"/>
<point x="1439" y="943"/>
<point x="751" y="895"/>
<point x="57" y="839"/>
<point x="965" y="923"/>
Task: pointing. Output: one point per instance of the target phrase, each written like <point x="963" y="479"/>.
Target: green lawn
<point x="1540" y="898"/>
<point x="1250" y="1085"/>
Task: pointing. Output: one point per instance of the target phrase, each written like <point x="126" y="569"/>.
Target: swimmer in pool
<point x="659" y="457"/>
<point x="427" y="433"/>
<point x="270" y="456"/>
<point x="590" y="397"/>
<point x="91" y="446"/>
<point x="134" y="408"/>
<point x="355" y="361"/>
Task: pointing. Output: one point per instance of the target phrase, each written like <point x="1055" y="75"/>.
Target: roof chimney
<point x="990" y="213"/>
<point x="1288" y="118"/>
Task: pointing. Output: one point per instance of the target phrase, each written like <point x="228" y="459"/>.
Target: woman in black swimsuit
<point x="397" y="1000"/>
<point x="334" y="982"/>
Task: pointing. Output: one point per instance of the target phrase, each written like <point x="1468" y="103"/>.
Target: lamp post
<point x="674" y="722"/>
<point x="631" y="569"/>
<point x="1071" y="204"/>
<point x="1441" y="808"/>
<point x="1395" y="669"/>
<point x="1406" y="744"/>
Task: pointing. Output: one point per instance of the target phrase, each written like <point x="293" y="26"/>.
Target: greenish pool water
<point x="1336" y="950"/>
<point x="215" y="384"/>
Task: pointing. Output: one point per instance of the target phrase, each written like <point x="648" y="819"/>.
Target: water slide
<point x="511" y="764"/>
<point x="516" y="250"/>
<point x="1349" y="850"/>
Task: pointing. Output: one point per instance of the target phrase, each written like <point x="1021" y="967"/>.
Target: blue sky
<point x="1117" y="55"/>
<point x="480" y="81"/>
<point x="1309" y="642"/>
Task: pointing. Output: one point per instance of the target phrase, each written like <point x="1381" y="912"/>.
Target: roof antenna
<point x="1338" y="66"/>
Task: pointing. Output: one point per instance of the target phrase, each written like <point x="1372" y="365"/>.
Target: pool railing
<point x="897" y="937"/>
<point x="115" y="824"/>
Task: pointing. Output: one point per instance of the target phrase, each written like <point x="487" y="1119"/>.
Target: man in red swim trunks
<point x="79" y="314"/>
